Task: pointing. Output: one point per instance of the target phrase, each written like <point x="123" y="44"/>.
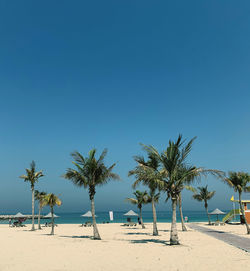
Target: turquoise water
<point x="162" y="216"/>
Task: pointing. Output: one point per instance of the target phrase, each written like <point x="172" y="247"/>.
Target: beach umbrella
<point x="49" y="215"/>
<point x="217" y="212"/>
<point x="19" y="215"/>
<point x="88" y="214"/>
<point x="131" y="213"/>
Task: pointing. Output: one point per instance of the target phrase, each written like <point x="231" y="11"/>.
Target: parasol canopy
<point x="131" y="213"/>
<point x="49" y="215"/>
<point x="88" y="214"/>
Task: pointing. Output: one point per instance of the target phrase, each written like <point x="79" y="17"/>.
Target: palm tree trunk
<point x="96" y="233"/>
<point x="39" y="214"/>
<point x="142" y="224"/>
<point x="173" y="233"/>
<point x="33" y="208"/>
<point x="181" y="214"/>
<point x="155" y="230"/>
<point x="208" y="216"/>
<point x="52" y="220"/>
<point x="243" y="214"/>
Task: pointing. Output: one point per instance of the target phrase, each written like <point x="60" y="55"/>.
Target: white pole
<point x="111" y="215"/>
<point x="234" y="209"/>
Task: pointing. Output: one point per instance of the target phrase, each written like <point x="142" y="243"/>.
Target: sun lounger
<point x="49" y="224"/>
<point x="218" y="223"/>
<point x="17" y="224"/>
<point x="129" y="224"/>
<point x="87" y="224"/>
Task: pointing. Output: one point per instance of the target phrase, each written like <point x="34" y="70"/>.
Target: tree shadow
<point x="77" y="236"/>
<point x="164" y="230"/>
<point x="137" y="233"/>
<point x="145" y="241"/>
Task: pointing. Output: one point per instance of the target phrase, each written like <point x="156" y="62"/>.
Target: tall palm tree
<point x="240" y="182"/>
<point x="39" y="197"/>
<point x="146" y="172"/>
<point x="140" y="199"/>
<point x="32" y="176"/>
<point x="91" y="172"/>
<point x="177" y="171"/>
<point x="51" y="200"/>
<point x="204" y="195"/>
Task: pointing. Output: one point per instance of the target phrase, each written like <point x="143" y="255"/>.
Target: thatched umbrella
<point x="88" y="214"/>
<point x="129" y="214"/>
<point x="49" y="215"/>
<point x="217" y="212"/>
<point x="19" y="215"/>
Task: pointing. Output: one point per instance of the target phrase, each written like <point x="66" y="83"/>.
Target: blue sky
<point x="81" y="74"/>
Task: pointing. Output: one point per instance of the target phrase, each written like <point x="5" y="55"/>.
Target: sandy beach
<point x="121" y="248"/>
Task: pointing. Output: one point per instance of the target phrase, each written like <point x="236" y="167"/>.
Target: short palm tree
<point x="32" y="176"/>
<point x="240" y="182"/>
<point x="204" y="195"/>
<point x="90" y="173"/>
<point x="51" y="200"/>
<point x="140" y="199"/>
<point x="39" y="197"/>
<point x="146" y="172"/>
<point x="177" y="172"/>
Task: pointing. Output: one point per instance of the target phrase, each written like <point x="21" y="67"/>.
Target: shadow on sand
<point x="77" y="237"/>
<point x="137" y="233"/>
<point x="164" y="230"/>
<point x="145" y="241"/>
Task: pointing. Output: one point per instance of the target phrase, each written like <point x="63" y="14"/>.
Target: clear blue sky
<point x="81" y="74"/>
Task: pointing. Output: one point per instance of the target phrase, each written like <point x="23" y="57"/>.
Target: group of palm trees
<point x="167" y="171"/>
<point x="43" y="198"/>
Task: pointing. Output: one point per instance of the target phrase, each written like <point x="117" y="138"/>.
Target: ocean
<point x="162" y="216"/>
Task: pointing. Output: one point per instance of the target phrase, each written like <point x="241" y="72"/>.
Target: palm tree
<point x="154" y="198"/>
<point x="240" y="182"/>
<point x="186" y="185"/>
<point x="204" y="195"/>
<point x="177" y="172"/>
<point x="39" y="197"/>
<point x="51" y="200"/>
<point x="32" y="176"/>
<point x="181" y="213"/>
<point x="146" y="172"/>
<point x="140" y="199"/>
<point x="89" y="173"/>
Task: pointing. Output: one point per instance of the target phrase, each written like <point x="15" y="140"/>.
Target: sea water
<point x="103" y="217"/>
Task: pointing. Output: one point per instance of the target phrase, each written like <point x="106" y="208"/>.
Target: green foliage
<point x="203" y="194"/>
<point x="239" y="181"/>
<point x="51" y="200"/>
<point x="146" y="172"/>
<point x="140" y="199"/>
<point x="177" y="173"/>
<point x="39" y="196"/>
<point x="90" y="171"/>
<point x="31" y="175"/>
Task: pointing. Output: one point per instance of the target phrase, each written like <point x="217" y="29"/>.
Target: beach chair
<point x="88" y="224"/>
<point x="218" y="223"/>
<point x="132" y="224"/>
<point x="50" y="224"/>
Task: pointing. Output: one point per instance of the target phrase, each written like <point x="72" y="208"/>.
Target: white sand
<point x="121" y="248"/>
